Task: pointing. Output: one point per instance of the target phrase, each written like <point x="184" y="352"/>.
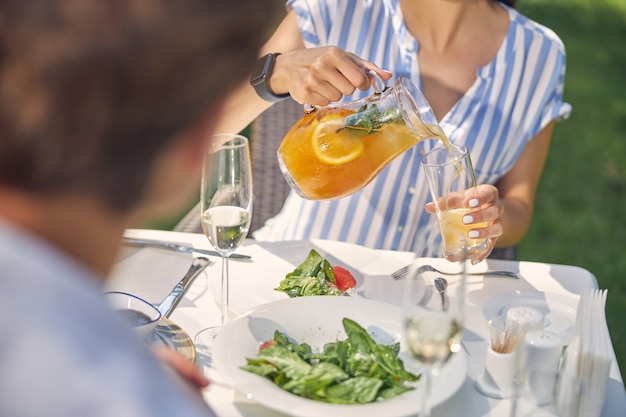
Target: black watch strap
<point x="260" y="76"/>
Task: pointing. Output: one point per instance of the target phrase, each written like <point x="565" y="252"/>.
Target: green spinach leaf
<point x="314" y="276"/>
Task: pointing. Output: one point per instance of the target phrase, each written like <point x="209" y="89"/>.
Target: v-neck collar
<point x="410" y="46"/>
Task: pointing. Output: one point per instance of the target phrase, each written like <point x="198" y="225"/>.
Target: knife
<point x="129" y="241"/>
<point x="173" y="298"/>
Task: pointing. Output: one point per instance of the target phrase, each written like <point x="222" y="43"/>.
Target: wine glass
<point x="226" y="210"/>
<point x="433" y="326"/>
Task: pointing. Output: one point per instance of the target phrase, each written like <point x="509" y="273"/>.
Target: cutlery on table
<point x="128" y="241"/>
<point x="442" y="284"/>
<point x="170" y="302"/>
<point x="402" y="272"/>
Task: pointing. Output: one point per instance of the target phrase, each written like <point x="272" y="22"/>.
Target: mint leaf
<point x="369" y="119"/>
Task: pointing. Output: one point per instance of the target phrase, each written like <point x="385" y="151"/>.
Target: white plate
<point x="317" y="320"/>
<point x="252" y="283"/>
<point x="559" y="311"/>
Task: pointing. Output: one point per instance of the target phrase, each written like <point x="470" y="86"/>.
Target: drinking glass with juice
<point x="452" y="184"/>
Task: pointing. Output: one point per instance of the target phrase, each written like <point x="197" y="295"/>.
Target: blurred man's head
<point x="93" y="91"/>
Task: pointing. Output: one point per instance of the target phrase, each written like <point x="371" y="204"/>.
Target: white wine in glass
<point x="226" y="227"/>
<point x="432" y="337"/>
<point x="226" y="205"/>
<point x="433" y="328"/>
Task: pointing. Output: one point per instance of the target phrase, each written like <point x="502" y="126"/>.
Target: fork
<point x="402" y="272"/>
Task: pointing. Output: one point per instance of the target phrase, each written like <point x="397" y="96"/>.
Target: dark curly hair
<point x="92" y="91"/>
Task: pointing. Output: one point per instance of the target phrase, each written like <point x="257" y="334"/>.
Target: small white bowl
<point x="140" y="314"/>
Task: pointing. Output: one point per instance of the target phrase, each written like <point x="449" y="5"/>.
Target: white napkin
<point x="585" y="370"/>
<point x="148" y="273"/>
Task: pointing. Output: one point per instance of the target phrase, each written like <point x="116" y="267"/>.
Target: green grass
<point x="582" y="195"/>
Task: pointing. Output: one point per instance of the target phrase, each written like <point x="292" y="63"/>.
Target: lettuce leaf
<point x="314" y="276"/>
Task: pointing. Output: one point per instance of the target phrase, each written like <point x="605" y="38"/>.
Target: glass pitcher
<point x="336" y="150"/>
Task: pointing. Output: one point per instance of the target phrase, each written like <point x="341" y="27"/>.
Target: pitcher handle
<point x="377" y="82"/>
<point x="309" y="108"/>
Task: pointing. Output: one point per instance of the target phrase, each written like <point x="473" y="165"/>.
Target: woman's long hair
<point x="508" y="2"/>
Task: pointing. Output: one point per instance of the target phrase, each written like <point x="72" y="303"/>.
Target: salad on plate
<point x="353" y="371"/>
<point x="316" y="276"/>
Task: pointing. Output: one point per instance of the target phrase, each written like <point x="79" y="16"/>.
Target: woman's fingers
<point x="322" y="75"/>
<point x="486" y="215"/>
<point x="482" y="195"/>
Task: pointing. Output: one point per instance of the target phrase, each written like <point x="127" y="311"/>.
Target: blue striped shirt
<point x="513" y="97"/>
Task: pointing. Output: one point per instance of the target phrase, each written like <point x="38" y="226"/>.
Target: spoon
<point x="442" y="284"/>
<point x="170" y="302"/>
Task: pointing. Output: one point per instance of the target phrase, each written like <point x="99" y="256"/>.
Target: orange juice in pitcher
<point x="334" y="151"/>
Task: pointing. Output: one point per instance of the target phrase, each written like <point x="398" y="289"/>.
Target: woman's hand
<point x="489" y="210"/>
<point x="322" y="75"/>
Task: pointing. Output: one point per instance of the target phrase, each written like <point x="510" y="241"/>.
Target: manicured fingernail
<point x="473" y="202"/>
<point x="468" y="219"/>
<point x="475" y="261"/>
<point x="473" y="234"/>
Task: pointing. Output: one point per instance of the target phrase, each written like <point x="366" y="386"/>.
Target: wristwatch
<point x="260" y="75"/>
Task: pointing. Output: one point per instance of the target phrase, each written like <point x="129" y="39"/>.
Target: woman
<point x="493" y="77"/>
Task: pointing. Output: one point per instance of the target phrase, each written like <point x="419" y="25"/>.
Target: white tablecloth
<point x="252" y="284"/>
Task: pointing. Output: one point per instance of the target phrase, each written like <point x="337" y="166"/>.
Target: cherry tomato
<point x="267" y="344"/>
<point x="344" y="278"/>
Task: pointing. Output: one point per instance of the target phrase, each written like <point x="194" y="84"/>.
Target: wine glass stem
<point x="425" y="403"/>
<point x="224" y="297"/>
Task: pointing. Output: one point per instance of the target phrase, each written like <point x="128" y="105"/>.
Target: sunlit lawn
<point x="580" y="216"/>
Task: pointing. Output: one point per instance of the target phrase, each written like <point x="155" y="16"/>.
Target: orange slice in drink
<point x="332" y="144"/>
